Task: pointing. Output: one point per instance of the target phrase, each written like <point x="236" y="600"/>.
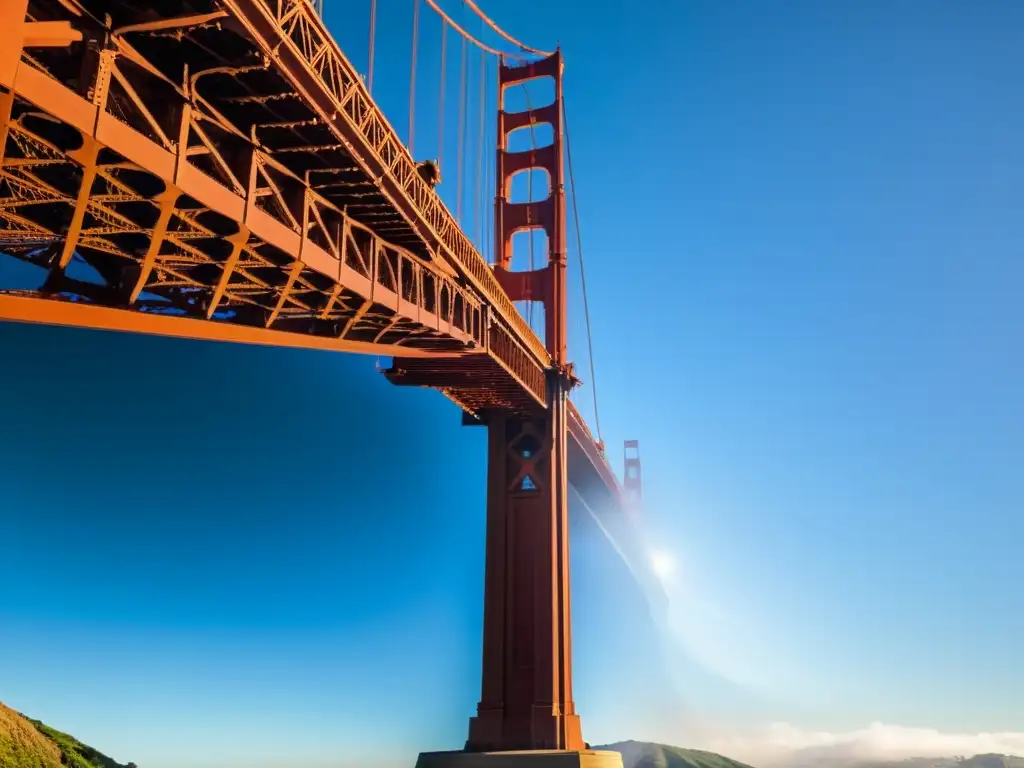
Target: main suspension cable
<point x="473" y="7"/>
<point x="466" y="36"/>
<point x="583" y="275"/>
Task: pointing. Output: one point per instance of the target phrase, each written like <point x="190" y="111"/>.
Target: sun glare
<point x="662" y="564"/>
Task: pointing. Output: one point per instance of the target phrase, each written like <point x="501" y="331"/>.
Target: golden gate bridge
<point x="225" y="171"/>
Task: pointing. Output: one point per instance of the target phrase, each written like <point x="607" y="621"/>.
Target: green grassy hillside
<point x="27" y="743"/>
<point x="641" y="754"/>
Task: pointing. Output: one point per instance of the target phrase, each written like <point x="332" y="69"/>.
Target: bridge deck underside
<point x="220" y="162"/>
<point x="201" y="269"/>
<point x="193" y="176"/>
<point x="473" y="383"/>
<point x="184" y="255"/>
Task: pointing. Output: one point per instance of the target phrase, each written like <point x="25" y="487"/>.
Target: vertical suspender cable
<point x="373" y="37"/>
<point x="412" y="72"/>
<point x="440" y="110"/>
<point x="477" y="207"/>
<point x="462" y="133"/>
<point x="488" y="162"/>
<point x="490" y="182"/>
<point x="583" y="276"/>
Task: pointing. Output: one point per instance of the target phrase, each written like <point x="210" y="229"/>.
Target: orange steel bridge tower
<point x="526" y="700"/>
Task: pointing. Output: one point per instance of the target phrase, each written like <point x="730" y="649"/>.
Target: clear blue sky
<point x="803" y="230"/>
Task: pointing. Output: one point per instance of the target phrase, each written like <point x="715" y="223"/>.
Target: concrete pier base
<point x="532" y="759"/>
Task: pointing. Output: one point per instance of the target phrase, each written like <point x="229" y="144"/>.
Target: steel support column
<point x="167" y="202"/>
<point x="527" y="700"/>
<point x="88" y="156"/>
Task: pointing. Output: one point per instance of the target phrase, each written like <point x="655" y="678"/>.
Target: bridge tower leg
<point x="526" y="715"/>
<point x="526" y="701"/>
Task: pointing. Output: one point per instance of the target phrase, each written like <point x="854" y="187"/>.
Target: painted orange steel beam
<point x="389" y="279"/>
<point x="305" y="52"/>
<point x="17" y="33"/>
<point x="47" y="34"/>
<point x="30" y="309"/>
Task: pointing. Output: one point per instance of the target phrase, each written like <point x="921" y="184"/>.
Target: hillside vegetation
<point x="27" y="743"/>
<point x="642" y="754"/>
<point x="22" y="745"/>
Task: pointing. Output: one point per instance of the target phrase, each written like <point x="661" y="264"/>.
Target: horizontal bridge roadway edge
<point x="261" y="23"/>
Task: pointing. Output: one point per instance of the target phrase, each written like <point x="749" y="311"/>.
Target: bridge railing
<point x="590" y="465"/>
<point x="302" y="30"/>
<point x="577" y="417"/>
<point x="416" y="288"/>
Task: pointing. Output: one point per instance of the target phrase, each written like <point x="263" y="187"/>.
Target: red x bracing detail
<point x="529" y="453"/>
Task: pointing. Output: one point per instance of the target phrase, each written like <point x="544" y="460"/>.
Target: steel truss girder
<point x="355" y="258"/>
<point x="512" y="356"/>
<point x="313" y="62"/>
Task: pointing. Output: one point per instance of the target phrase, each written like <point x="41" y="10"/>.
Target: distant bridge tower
<point x="631" y="480"/>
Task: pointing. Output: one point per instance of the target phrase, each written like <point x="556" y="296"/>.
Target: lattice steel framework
<point x="223" y="161"/>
